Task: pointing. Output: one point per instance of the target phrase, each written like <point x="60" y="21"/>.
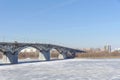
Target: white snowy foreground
<point x="73" y="69"/>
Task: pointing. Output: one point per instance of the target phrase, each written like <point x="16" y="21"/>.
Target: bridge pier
<point x="44" y="55"/>
<point x="10" y="58"/>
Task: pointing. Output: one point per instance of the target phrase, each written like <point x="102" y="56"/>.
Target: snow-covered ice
<point x="73" y="69"/>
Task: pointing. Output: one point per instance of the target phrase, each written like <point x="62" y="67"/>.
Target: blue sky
<point x="73" y="23"/>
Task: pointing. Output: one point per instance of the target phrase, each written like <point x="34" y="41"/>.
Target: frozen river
<point x="74" y="69"/>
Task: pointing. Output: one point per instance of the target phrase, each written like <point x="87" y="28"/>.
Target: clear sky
<point x="73" y="23"/>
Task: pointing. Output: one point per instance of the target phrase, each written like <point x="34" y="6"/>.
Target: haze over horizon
<point x="73" y="23"/>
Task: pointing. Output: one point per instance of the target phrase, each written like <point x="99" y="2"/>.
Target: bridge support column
<point x="10" y="58"/>
<point x="62" y="56"/>
<point x="44" y="55"/>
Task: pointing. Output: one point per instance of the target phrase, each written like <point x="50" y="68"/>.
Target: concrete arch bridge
<point x="11" y="51"/>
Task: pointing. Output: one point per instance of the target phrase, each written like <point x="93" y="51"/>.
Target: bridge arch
<point x="19" y="49"/>
<point x="61" y="54"/>
<point x="54" y="53"/>
<point x="39" y="54"/>
<point x="28" y="53"/>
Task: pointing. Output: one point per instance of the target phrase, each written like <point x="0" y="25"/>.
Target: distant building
<point x="107" y="48"/>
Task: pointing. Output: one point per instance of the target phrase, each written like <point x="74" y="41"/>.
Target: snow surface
<point x="73" y="69"/>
